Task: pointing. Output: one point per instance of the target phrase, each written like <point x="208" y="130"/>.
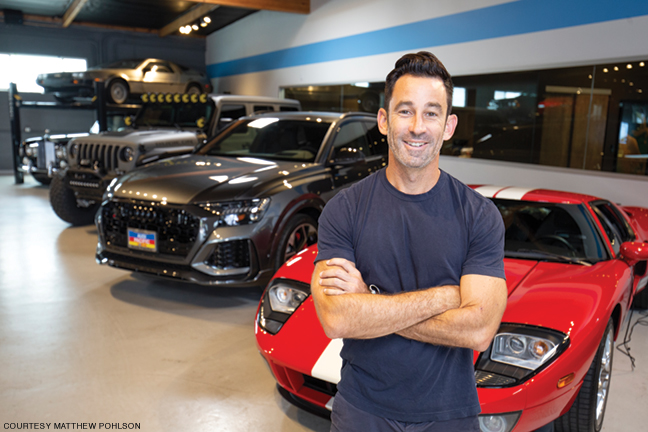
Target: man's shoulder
<point x="465" y="192"/>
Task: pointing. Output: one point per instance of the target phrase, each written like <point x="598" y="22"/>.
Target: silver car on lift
<point x="124" y="78"/>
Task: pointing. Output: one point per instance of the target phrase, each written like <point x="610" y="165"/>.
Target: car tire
<point x="42" y="178"/>
<point x="588" y="410"/>
<point x="118" y="91"/>
<point x="193" y="89"/>
<point x="66" y="207"/>
<point x="640" y="300"/>
<point x="299" y="233"/>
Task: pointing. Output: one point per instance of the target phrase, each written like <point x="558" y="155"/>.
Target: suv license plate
<point x="142" y="239"/>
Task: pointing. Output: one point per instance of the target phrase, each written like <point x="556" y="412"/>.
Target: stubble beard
<point x="400" y="153"/>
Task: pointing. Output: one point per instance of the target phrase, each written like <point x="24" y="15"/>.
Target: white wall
<point x="346" y="41"/>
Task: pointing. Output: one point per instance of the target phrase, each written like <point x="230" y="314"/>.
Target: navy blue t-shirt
<point x="402" y="242"/>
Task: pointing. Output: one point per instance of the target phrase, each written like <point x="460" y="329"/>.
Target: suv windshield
<point x="549" y="231"/>
<point x="179" y="115"/>
<point x="271" y="138"/>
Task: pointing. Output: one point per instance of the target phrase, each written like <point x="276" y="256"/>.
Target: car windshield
<point x="549" y="231"/>
<point x="178" y="115"/>
<point x="271" y="138"/>
<point x="120" y="64"/>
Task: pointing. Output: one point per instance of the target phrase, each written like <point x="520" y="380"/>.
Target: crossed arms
<point x="465" y="316"/>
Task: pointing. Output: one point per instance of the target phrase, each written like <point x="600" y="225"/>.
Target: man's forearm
<point x="472" y="325"/>
<point x="366" y="316"/>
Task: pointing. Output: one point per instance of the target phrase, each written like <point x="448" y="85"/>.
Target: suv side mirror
<point x="348" y="156"/>
<point x="633" y="252"/>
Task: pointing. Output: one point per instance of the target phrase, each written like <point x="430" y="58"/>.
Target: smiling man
<point x="410" y="271"/>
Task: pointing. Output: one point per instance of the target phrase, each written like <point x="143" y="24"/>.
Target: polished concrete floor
<point x="83" y="343"/>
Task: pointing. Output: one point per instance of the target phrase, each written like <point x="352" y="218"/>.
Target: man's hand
<point x="342" y="277"/>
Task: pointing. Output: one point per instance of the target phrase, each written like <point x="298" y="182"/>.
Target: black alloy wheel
<point x="300" y="232"/>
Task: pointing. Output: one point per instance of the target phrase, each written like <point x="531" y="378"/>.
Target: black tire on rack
<point x="66" y="207"/>
<point x="588" y="410"/>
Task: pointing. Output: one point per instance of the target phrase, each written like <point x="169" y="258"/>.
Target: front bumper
<point x="186" y="246"/>
<point x="87" y="184"/>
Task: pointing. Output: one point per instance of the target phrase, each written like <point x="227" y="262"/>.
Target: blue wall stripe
<point x="519" y="17"/>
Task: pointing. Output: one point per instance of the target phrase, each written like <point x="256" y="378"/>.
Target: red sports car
<point x="574" y="264"/>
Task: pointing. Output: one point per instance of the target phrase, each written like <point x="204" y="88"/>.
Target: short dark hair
<point x="421" y="64"/>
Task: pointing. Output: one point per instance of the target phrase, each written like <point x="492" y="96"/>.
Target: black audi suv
<point x="241" y="205"/>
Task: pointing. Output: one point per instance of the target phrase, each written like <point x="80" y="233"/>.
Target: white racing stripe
<point x="329" y="364"/>
<point x="513" y="193"/>
<point x="489" y="191"/>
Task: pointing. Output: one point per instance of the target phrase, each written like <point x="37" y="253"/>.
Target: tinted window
<point x="270" y="138"/>
<point x="377" y="141"/>
<point x="230" y="113"/>
<point x="288" y="108"/>
<point x="262" y="108"/>
<point x="546" y="228"/>
<point x="351" y="137"/>
<point x="616" y="219"/>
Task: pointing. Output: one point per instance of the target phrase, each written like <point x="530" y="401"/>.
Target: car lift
<point x="98" y="103"/>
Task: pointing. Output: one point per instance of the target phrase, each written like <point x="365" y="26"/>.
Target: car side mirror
<point x="633" y="252"/>
<point x="348" y="156"/>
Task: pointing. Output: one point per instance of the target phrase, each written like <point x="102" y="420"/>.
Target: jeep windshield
<point x="270" y="138"/>
<point x="175" y="115"/>
<point x="549" y="232"/>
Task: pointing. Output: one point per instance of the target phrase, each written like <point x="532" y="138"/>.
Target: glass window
<point x="351" y="138"/>
<point x="363" y="97"/>
<point x="229" y="113"/>
<point x="377" y="141"/>
<point x="616" y="219"/>
<point x="587" y="117"/>
<point x="536" y="230"/>
<point x="24" y="69"/>
<point x="262" y="108"/>
<point x="271" y="139"/>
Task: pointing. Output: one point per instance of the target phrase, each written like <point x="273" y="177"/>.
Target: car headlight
<point x="517" y="353"/>
<point x="528" y="352"/>
<point x="31" y="150"/>
<point x="498" y="422"/>
<point x="280" y="300"/>
<point x="60" y="152"/>
<point x="126" y="154"/>
<point x="73" y="151"/>
<point x="238" y="212"/>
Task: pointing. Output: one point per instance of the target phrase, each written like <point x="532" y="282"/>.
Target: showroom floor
<point x="83" y="343"/>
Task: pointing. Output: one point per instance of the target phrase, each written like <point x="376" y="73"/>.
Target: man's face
<point x="415" y="123"/>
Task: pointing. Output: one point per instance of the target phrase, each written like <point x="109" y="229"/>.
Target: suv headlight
<point x="280" y="300"/>
<point x="60" y="151"/>
<point x="517" y="353"/>
<point x="31" y="150"/>
<point x="238" y="212"/>
<point x="73" y="151"/>
<point x="126" y="154"/>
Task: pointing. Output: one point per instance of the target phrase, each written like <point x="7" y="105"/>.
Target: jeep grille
<point x="101" y="156"/>
<point x="176" y="229"/>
